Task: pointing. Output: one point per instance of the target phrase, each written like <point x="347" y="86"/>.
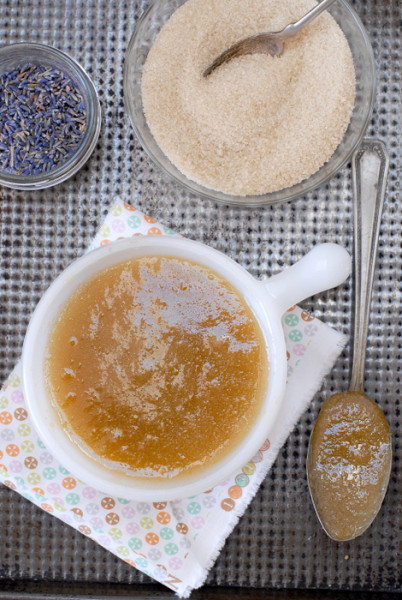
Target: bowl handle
<point x="324" y="267"/>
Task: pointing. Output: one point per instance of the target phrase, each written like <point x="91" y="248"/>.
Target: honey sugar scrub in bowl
<point x="259" y="129"/>
<point x="154" y="367"/>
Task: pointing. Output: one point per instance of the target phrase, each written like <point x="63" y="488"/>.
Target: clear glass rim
<point x="285" y="195"/>
<point x="85" y="149"/>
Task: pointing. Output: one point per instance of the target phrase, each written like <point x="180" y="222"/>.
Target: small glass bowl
<point x="16" y="55"/>
<point x="143" y="38"/>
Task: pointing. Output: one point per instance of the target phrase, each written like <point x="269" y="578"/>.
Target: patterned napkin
<point x="175" y="543"/>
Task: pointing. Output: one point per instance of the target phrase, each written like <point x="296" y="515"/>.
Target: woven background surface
<point x="278" y="543"/>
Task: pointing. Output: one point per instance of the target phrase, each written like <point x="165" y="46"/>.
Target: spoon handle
<point x="294" y="28"/>
<point x="369" y="172"/>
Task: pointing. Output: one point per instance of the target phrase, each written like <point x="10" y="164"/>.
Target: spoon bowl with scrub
<point x="349" y="456"/>
<point x="268" y="43"/>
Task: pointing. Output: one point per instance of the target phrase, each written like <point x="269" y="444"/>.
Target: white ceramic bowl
<point x="326" y="266"/>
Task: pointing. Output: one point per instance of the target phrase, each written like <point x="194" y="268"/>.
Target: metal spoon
<point x="349" y="456"/>
<point x="268" y="43"/>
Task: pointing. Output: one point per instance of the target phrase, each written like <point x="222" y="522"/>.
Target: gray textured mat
<point x="282" y="544"/>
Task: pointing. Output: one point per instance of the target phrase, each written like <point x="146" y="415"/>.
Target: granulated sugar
<point x="259" y="123"/>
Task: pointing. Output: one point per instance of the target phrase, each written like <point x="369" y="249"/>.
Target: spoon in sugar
<point x="349" y="455"/>
<point x="268" y="43"/>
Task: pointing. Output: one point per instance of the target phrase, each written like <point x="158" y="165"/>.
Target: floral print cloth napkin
<point x="177" y="542"/>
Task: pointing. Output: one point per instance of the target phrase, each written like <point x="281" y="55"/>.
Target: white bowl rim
<point x="46" y="420"/>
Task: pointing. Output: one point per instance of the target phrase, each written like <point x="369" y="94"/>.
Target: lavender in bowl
<point x="49" y="116"/>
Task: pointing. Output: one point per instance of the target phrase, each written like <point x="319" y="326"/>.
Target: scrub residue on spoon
<point x="349" y="463"/>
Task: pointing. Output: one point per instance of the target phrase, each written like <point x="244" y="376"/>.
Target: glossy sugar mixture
<point x="157" y="367"/>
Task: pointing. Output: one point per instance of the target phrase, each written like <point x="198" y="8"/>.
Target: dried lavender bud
<point x="43" y="119"/>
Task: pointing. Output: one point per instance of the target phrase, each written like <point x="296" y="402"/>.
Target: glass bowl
<point x="26" y="53"/>
<point x="143" y="37"/>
